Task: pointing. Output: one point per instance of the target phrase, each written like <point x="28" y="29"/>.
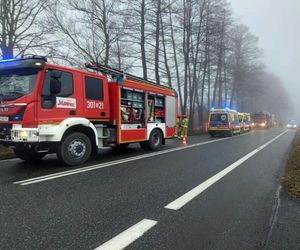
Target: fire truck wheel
<point x="155" y="139"/>
<point x="28" y="155"/>
<point x="75" y="149"/>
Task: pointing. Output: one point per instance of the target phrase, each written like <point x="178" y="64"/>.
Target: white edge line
<point x="107" y="164"/>
<point x="187" y="197"/>
<point x="128" y="236"/>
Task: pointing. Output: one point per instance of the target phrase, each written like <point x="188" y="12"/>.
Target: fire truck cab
<point x="261" y="120"/>
<point x="47" y="108"/>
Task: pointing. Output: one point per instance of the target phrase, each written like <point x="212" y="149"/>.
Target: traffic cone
<point x="183" y="142"/>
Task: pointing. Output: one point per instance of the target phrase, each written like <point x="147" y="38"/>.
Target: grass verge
<point x="291" y="178"/>
<point x="6" y="153"/>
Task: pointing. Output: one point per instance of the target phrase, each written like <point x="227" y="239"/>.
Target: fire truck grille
<point x="5" y="131"/>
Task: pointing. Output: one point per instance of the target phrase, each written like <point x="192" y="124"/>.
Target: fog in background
<point x="276" y="23"/>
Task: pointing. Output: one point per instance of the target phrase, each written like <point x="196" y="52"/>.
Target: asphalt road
<point x="217" y="193"/>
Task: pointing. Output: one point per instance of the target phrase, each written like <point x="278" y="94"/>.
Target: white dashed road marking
<point x="128" y="236"/>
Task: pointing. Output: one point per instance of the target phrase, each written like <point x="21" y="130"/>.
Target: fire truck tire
<point x="155" y="140"/>
<point x="28" y="155"/>
<point x="75" y="149"/>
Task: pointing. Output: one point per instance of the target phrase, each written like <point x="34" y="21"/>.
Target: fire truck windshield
<point x="16" y="83"/>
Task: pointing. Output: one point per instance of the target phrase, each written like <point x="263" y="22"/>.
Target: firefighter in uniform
<point x="178" y="127"/>
<point x="184" y="126"/>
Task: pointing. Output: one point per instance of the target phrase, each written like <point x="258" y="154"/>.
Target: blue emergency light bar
<point x="8" y="60"/>
<point x="33" y="61"/>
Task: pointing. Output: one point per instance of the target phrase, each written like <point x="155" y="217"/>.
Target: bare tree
<point x="19" y="27"/>
<point x="245" y="61"/>
<point x="90" y="28"/>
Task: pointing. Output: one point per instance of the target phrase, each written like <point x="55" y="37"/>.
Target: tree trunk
<point x="165" y="54"/>
<point x="176" y="61"/>
<point x="7" y="52"/>
<point x="157" y="35"/>
<point x="143" y="40"/>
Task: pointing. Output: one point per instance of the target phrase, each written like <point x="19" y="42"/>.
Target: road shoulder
<point x="285" y="233"/>
<point x="286" y="225"/>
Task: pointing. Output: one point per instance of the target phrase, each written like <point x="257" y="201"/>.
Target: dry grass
<point x="6" y="153"/>
<point x="291" y="178"/>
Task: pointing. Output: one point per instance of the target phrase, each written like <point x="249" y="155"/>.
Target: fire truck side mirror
<point x="55" y="86"/>
<point x="55" y="83"/>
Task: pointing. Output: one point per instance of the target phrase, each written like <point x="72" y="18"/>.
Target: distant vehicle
<point x="223" y="122"/>
<point x="273" y="120"/>
<point x="261" y="120"/>
<point x="245" y="122"/>
<point x="291" y="124"/>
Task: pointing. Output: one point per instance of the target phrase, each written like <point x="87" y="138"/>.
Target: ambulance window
<point x="93" y="88"/>
<point x="66" y="84"/>
<point x="236" y="118"/>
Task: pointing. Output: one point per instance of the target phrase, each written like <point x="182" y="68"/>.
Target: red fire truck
<point x="262" y="120"/>
<point x="46" y="108"/>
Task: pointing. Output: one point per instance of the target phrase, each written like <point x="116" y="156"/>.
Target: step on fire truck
<point x="46" y="108"/>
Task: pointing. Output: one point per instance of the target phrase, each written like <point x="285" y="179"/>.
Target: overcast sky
<point x="277" y="24"/>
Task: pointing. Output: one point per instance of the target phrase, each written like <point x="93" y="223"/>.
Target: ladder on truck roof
<point x="115" y="73"/>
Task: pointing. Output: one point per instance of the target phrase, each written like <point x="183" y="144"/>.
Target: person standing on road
<point x="178" y="127"/>
<point x="184" y="126"/>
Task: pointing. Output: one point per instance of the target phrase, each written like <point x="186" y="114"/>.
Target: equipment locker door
<point x="133" y="111"/>
<point x="170" y="116"/>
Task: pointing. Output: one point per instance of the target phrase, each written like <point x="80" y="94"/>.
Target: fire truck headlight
<point x="263" y="124"/>
<point x="23" y="134"/>
<point x="252" y="123"/>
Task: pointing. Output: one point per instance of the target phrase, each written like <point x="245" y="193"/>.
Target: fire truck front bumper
<point x="10" y="134"/>
<point x="25" y="135"/>
<point x="16" y="135"/>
